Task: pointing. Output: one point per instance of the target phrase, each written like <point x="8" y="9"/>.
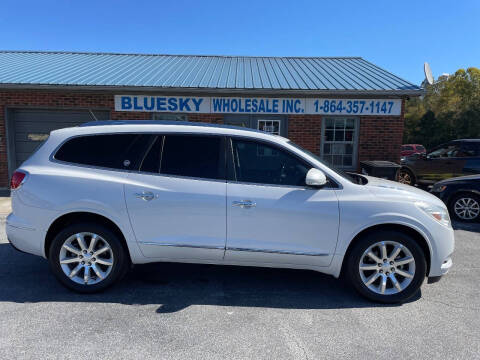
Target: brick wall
<point x="379" y="137"/>
<point x="306" y="131"/>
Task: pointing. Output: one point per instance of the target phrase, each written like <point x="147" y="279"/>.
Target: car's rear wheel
<point x="405" y="176"/>
<point x="386" y="266"/>
<point x="465" y="207"/>
<point x="87" y="257"/>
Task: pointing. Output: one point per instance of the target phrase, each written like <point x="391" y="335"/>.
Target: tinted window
<point x="448" y="150"/>
<point x="469" y="149"/>
<point x="420" y="148"/>
<point x="259" y="163"/>
<point x="151" y="160"/>
<point x="117" y="151"/>
<point x="193" y="156"/>
<point x="408" y="148"/>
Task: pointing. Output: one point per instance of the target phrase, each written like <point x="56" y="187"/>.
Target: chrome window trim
<point x="337" y="185"/>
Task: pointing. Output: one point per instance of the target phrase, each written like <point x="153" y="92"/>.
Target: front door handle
<point x="145" y="195"/>
<point x="244" y="204"/>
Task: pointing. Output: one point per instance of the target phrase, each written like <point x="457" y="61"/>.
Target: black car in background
<point x="461" y="195"/>
<point x="453" y="159"/>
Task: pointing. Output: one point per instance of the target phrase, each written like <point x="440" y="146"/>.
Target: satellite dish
<point x="428" y="73"/>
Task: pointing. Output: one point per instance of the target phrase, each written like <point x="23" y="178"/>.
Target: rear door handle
<point x="244" y="204"/>
<point x="145" y="195"/>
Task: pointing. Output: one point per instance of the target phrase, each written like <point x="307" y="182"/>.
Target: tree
<point x="449" y="110"/>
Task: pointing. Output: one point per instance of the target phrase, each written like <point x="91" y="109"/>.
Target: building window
<point x="169" y="117"/>
<point x="270" y="126"/>
<point x="275" y="125"/>
<point x="340" y="142"/>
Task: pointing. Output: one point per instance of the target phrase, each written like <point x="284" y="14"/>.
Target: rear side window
<point x="115" y="151"/>
<point x="193" y="156"/>
<point x="407" y="148"/>
<point x="420" y="148"/>
<point x="469" y="149"/>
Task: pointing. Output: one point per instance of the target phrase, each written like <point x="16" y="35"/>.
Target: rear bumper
<point x="23" y="236"/>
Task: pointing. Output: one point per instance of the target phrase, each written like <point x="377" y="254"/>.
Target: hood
<point x="399" y="192"/>
<point x="460" y="178"/>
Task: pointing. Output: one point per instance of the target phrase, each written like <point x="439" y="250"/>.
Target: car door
<point x="439" y="164"/>
<point x="470" y="152"/>
<point x="176" y="201"/>
<point x="272" y="216"/>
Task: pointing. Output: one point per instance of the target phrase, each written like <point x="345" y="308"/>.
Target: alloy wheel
<point x="86" y="258"/>
<point x="404" y="177"/>
<point x="387" y="267"/>
<point x="466" y="208"/>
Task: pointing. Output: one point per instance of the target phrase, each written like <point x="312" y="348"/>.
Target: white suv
<point x="97" y="198"/>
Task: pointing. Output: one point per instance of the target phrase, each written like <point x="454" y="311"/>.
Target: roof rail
<point x="167" y="122"/>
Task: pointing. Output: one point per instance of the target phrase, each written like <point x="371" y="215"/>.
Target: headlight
<point x="438" y="213"/>
<point x="439" y="188"/>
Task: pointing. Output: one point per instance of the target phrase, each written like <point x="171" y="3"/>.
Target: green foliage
<point x="450" y="110"/>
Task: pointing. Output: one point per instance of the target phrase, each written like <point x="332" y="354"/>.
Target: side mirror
<point x="315" y="177"/>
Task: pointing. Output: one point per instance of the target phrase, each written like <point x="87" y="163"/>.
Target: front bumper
<point x="441" y="252"/>
<point x="447" y="264"/>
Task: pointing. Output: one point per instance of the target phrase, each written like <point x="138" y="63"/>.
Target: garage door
<point x="29" y="128"/>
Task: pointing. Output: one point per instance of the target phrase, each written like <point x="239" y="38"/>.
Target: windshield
<point x="350" y="177"/>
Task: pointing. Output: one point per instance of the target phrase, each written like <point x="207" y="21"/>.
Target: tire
<point x="408" y="286"/>
<point x="405" y="176"/>
<point x="465" y="207"/>
<point x="73" y="255"/>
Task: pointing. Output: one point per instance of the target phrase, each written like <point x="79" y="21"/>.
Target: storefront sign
<point x="254" y="105"/>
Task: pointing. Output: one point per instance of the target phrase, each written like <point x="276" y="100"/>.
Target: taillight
<point x="17" y="179"/>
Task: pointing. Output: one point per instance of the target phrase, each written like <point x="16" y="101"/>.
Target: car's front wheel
<point x="386" y="266"/>
<point x="87" y="257"/>
<point x="465" y="207"/>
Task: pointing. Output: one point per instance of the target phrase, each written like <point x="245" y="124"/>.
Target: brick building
<point x="343" y="109"/>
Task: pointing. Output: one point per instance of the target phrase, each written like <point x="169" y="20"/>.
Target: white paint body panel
<point x="287" y="225"/>
<point x="286" y="222"/>
<point x="185" y="220"/>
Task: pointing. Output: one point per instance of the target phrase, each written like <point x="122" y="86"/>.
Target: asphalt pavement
<point x="175" y="311"/>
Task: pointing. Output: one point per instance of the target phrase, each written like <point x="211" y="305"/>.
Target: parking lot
<point x="174" y="311"/>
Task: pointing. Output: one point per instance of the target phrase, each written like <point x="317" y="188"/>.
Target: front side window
<point x="445" y="151"/>
<point x="193" y="156"/>
<point x="115" y="151"/>
<point x="256" y="162"/>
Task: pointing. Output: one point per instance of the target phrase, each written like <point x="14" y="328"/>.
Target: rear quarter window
<point x="114" y="151"/>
